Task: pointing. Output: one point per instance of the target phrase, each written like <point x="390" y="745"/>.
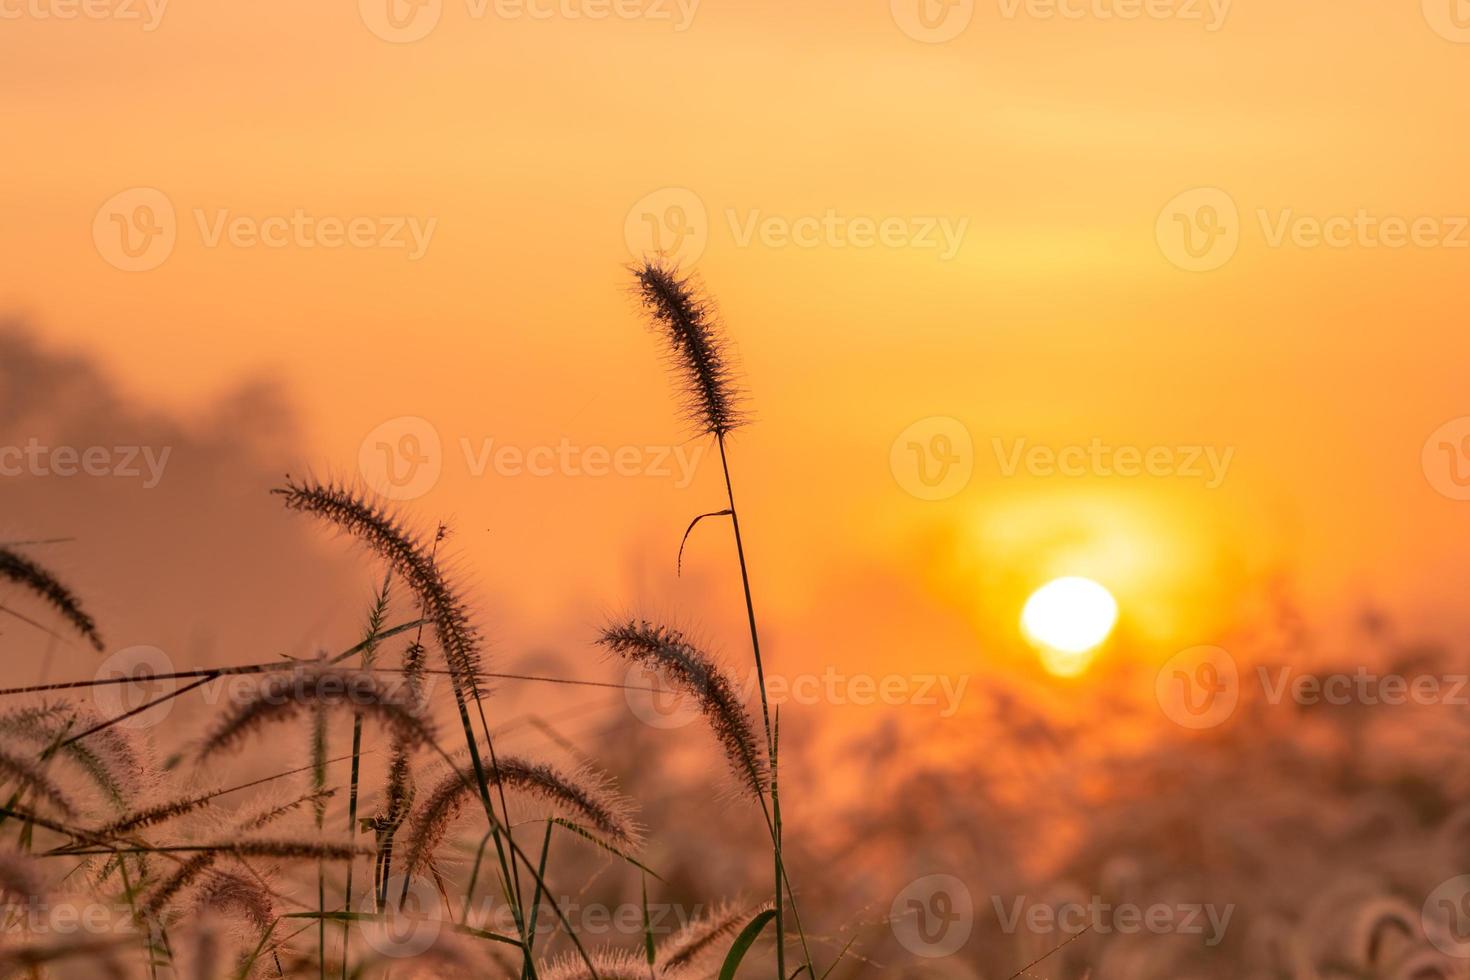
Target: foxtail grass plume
<point x="609" y="964"/>
<point x="669" y="653"/>
<point x="399" y="795"/>
<point x="247" y="895"/>
<point x="294" y="849"/>
<point x="19" y="569"/>
<point x="271" y="812"/>
<point x="700" y="939"/>
<point x="197" y="865"/>
<point x="583" y="795"/>
<point x="288" y="693"/>
<point x="698" y="348"/>
<point x="153" y="815"/>
<point x="30" y="775"/>
<point x="187" y="873"/>
<point x="407" y="556"/>
<point x="108" y="757"/>
<point x="159" y="813"/>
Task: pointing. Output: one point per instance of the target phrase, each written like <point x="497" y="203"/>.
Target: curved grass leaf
<point x="742" y="943"/>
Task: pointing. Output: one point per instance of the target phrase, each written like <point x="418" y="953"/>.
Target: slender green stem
<point x="526" y="970"/>
<point x="469" y="892"/>
<point x="760" y="671"/>
<point x="351" y="832"/>
<point x="318" y="784"/>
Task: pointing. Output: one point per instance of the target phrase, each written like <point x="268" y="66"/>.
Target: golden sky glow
<point x="1036" y="154"/>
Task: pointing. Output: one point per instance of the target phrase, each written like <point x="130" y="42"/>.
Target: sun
<point x="1067" y="619"/>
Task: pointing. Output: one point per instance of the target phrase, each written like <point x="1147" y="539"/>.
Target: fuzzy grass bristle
<point x="107" y="757"/>
<point x="669" y="652"/>
<point x="31" y="776"/>
<point x="228" y="892"/>
<point x="286" y="694"/>
<point x="609" y="964"/>
<point x="700" y="939"/>
<point x="583" y="795"/>
<point x="686" y="316"/>
<point x="21" y="570"/>
<point x="408" y="557"/>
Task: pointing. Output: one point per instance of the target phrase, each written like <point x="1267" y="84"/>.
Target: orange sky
<point x="1059" y="318"/>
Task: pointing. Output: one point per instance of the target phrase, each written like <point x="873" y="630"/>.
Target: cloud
<point x="169" y="532"/>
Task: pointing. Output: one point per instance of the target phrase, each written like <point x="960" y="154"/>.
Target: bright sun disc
<point x="1069" y="615"/>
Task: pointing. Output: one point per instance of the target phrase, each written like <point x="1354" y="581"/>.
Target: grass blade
<point x="743" y="943"/>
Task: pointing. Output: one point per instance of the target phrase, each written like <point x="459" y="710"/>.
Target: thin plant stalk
<point x="685" y="316"/>
<point x="755" y="645"/>
<point x="351" y="831"/>
<point x="375" y="625"/>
